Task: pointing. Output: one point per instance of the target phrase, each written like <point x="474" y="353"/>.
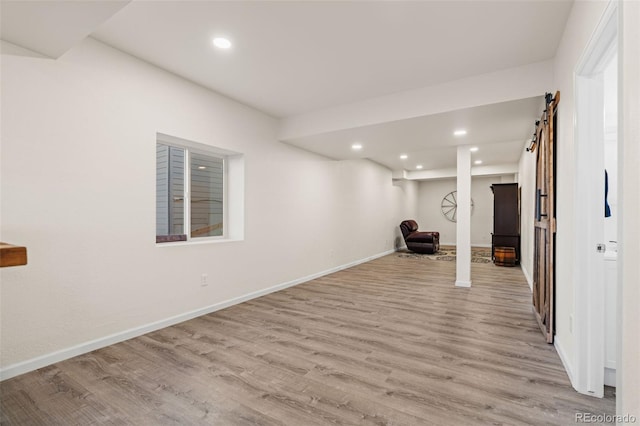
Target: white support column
<point x="463" y="219"/>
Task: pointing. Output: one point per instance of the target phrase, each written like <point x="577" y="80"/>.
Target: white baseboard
<point x="472" y="244"/>
<point x="568" y="366"/>
<point x="610" y="377"/>
<point x="57" y="356"/>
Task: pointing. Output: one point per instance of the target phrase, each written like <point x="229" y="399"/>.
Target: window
<point x="190" y="193"/>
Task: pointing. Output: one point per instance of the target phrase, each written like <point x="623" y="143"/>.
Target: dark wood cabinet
<point x="506" y="217"/>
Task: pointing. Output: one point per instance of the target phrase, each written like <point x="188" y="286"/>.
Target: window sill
<point x="192" y="243"/>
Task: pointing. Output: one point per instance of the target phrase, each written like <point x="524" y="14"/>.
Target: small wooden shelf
<point x="11" y="255"/>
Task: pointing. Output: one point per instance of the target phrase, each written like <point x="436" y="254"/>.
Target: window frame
<point x="190" y="147"/>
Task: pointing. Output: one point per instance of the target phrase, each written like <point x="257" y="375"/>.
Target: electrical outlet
<point x="204" y="280"/>
<point x="570" y="323"/>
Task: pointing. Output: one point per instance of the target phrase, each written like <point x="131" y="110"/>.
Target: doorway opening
<point x="596" y="201"/>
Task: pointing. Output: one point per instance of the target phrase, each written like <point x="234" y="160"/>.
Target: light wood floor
<point x="390" y="342"/>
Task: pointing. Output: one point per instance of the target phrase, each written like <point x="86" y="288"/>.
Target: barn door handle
<point x="539" y="214"/>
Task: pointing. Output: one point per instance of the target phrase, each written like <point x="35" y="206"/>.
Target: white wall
<point x="410" y="187"/>
<point x="430" y="217"/>
<point x="628" y="378"/>
<point x="580" y="25"/>
<point x="78" y="189"/>
<point x="527" y="185"/>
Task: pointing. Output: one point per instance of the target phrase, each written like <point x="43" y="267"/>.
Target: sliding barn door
<point x="545" y="221"/>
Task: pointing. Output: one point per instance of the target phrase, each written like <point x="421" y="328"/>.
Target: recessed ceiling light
<point x="477" y="162"/>
<point x="356" y="146"/>
<point x="221" y="42"/>
<point x="419" y="166"/>
<point x="201" y="167"/>
<point x="473" y="149"/>
<point x="404" y="156"/>
<point x="460" y="132"/>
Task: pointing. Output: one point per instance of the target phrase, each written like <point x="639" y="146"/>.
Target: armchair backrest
<point x="407" y="227"/>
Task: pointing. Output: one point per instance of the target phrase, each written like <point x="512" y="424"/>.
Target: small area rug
<point x="448" y="253"/>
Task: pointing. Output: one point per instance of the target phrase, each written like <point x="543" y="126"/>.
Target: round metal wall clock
<point x="449" y="206"/>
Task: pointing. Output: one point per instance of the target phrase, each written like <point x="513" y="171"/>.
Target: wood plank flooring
<point x="389" y="342"/>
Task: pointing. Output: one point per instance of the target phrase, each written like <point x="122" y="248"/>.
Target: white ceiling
<point x="500" y="132"/>
<point x="291" y="57"/>
<point x="298" y="57"/>
<point x="53" y="27"/>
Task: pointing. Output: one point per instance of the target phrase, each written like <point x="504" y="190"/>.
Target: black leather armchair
<point x="427" y="242"/>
